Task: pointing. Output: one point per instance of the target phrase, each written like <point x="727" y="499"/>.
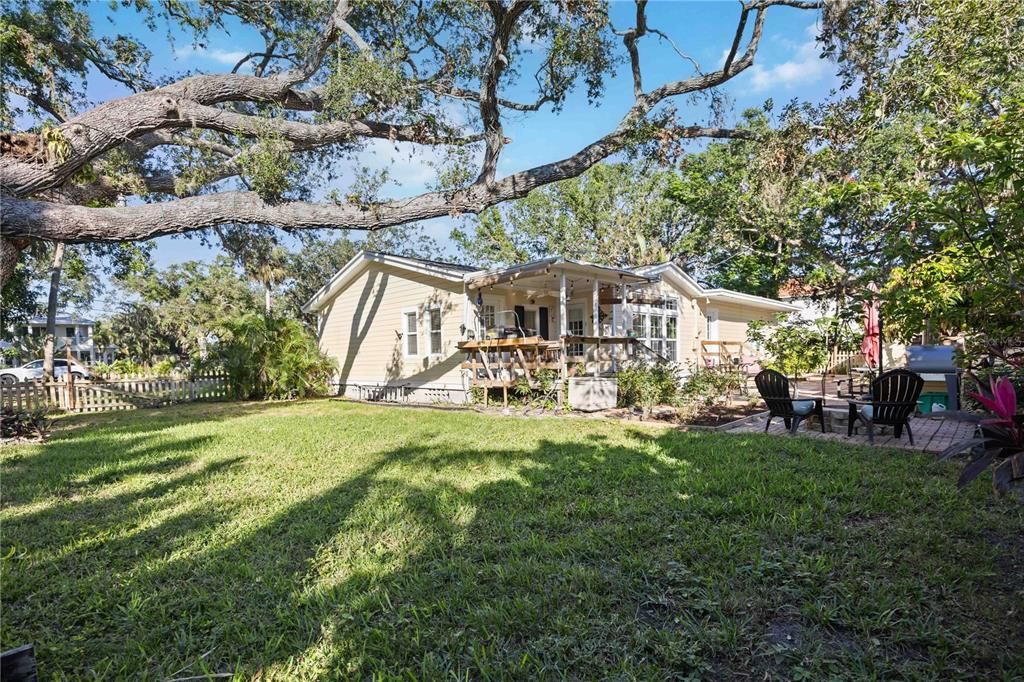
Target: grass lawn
<point x="289" y="541"/>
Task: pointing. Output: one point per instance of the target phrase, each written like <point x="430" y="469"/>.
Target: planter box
<point x="591" y="394"/>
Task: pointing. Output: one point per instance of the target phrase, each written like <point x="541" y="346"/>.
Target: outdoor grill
<point x="935" y="363"/>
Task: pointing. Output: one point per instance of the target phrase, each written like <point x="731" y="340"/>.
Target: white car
<point x="34" y="370"/>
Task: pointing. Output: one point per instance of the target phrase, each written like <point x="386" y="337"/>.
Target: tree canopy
<point x="617" y="214"/>
<point x="242" y="147"/>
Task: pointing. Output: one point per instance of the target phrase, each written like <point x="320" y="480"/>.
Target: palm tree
<point x="267" y="270"/>
<point x="102" y="337"/>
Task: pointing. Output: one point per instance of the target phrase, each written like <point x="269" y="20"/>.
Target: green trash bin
<point x="932" y="402"/>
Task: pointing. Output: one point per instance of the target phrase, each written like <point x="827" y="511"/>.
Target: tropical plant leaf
<point x="961" y="416"/>
<point x="988" y="402"/>
<point x="1006" y="397"/>
<point x="1007" y="472"/>
<point x="957" y="448"/>
<point x="975" y="467"/>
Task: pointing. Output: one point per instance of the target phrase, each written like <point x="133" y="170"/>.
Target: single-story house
<point x="431" y="329"/>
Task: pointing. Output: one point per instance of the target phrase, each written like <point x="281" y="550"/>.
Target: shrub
<point x="28" y="424"/>
<point x="101" y="369"/>
<point x="164" y="368"/>
<point x="272" y="357"/>
<point x="644" y="384"/>
<point x="710" y="385"/>
<point x="796" y="346"/>
<point x="125" y="367"/>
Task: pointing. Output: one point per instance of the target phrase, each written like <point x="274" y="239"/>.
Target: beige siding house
<point x="405" y="328"/>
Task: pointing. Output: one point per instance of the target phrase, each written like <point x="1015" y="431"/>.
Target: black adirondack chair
<point x="774" y="390"/>
<point x="893" y="399"/>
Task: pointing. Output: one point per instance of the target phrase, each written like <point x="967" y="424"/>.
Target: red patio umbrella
<point x="871" y="346"/>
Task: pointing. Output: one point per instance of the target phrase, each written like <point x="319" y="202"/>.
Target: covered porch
<point x="554" y="314"/>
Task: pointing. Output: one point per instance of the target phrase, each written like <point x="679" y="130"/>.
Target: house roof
<point x="61" y="318"/>
<point x="448" y="271"/>
<point x="455" y="272"/>
<point x="697" y="290"/>
<point x="447" y="265"/>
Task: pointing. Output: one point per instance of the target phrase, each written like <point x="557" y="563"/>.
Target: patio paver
<point x="931" y="434"/>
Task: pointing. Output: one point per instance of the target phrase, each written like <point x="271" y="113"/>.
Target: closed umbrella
<point x="871" y="346"/>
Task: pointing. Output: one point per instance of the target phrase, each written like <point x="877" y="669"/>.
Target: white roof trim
<point x="694" y="288"/>
<point x="363" y="258"/>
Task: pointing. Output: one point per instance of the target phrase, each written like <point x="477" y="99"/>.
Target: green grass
<point x="290" y="541"/>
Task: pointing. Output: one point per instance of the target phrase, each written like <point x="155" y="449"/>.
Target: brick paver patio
<point x="932" y="433"/>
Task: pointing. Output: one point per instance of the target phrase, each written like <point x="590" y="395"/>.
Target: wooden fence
<point x="840" y="362"/>
<point x="97" y="395"/>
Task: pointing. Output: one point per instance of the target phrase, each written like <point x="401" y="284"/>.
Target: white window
<point x="639" y="325"/>
<point x="575" y="328"/>
<point x="530" y="319"/>
<point x="712" y="324"/>
<point x="488" y="316"/>
<point x="434" y="327"/>
<point x="410" y="327"/>
<point x="671" y="334"/>
<point x="657" y="327"/>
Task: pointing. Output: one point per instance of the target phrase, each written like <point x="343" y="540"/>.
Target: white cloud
<point x="806" y="66"/>
<point x="227" y="57"/>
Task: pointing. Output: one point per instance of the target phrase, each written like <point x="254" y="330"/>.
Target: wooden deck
<point x="931" y="434"/>
<point x="500" y="363"/>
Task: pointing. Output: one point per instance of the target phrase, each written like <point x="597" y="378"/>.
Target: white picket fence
<point x="98" y="395"/>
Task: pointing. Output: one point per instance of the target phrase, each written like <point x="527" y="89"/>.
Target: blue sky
<point x="788" y="67"/>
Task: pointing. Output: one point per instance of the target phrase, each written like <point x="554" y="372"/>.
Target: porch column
<point x="467" y="314"/>
<point x="625" y="314"/>
<point x="563" y="312"/>
<point x="597" y="307"/>
<point x="626" y="319"/>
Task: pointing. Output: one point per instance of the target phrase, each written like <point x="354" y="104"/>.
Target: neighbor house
<point x="432" y="330"/>
<point x="72" y="332"/>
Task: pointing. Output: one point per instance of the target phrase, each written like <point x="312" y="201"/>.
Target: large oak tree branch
<point x="145" y="119"/>
<point x="111" y="124"/>
<point x="504" y="22"/>
<point x="43" y="220"/>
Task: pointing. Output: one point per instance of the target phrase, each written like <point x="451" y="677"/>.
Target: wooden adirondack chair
<point x="774" y="390"/>
<point x="893" y="400"/>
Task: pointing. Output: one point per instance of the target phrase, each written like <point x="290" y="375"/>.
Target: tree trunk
<point x="51" y="310"/>
<point x="10" y="252"/>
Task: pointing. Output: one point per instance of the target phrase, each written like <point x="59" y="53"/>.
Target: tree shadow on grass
<point x="658" y="555"/>
<point x="114" y="446"/>
<point x="152" y="420"/>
